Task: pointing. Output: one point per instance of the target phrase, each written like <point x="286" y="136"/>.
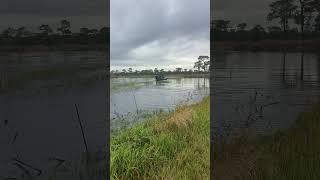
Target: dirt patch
<point x="181" y="118"/>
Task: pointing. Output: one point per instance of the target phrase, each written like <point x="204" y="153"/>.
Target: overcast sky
<point x="31" y="13"/>
<point x="163" y="34"/>
<point x="237" y="11"/>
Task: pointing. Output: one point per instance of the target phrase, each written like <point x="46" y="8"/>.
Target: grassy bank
<point x="169" y="146"/>
<point x="291" y="154"/>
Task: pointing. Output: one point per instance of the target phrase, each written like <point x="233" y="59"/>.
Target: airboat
<point x="160" y="78"/>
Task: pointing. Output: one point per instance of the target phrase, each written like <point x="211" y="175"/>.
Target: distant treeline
<point x="201" y="66"/>
<point x="130" y="71"/>
<point x="302" y="15"/>
<point x="46" y="35"/>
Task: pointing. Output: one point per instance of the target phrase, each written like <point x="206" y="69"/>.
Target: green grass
<point x="287" y="155"/>
<point x="168" y="146"/>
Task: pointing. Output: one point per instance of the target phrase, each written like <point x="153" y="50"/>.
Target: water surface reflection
<point x="145" y="94"/>
<point x="262" y="91"/>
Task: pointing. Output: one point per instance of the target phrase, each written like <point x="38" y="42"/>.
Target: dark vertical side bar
<point x="211" y="95"/>
<point x="108" y="93"/>
<point x="54" y="89"/>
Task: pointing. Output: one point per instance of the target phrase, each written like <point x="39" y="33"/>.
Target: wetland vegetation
<point x="200" y="69"/>
<point x="287" y="154"/>
<point x="174" y="145"/>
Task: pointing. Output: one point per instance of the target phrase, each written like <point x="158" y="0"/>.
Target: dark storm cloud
<point x="33" y="12"/>
<point x="250" y="11"/>
<point x="144" y="31"/>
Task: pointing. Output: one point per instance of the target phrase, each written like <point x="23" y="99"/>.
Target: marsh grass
<point x="127" y="86"/>
<point x="115" y="87"/>
<point x="172" y="145"/>
<point x="289" y="154"/>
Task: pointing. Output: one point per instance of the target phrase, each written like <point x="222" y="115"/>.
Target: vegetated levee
<point x="289" y="154"/>
<point x="172" y="145"/>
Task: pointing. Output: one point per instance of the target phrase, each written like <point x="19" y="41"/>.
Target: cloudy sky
<point x="250" y="11"/>
<point x="31" y="13"/>
<point x="163" y="34"/>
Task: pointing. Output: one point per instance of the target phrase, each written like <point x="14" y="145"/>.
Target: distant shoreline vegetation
<point x="298" y="29"/>
<point x="47" y="38"/>
<point x="201" y="68"/>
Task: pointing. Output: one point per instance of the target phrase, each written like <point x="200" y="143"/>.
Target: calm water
<point x="144" y="94"/>
<point x="262" y="91"/>
<point x="40" y="111"/>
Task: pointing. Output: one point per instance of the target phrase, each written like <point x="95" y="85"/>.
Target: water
<point x="145" y="94"/>
<point x="263" y="91"/>
<point x="37" y="98"/>
<point x="38" y="92"/>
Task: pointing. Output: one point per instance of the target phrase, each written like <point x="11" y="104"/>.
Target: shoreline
<point x="159" y="147"/>
<point x="267" y="46"/>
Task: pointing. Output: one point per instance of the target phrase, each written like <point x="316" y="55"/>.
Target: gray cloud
<point x="32" y="12"/>
<point x="159" y="33"/>
<point x="250" y="11"/>
<point x="54" y="8"/>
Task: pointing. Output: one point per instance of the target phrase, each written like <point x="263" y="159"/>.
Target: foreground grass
<point x="168" y="146"/>
<point x="291" y="154"/>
